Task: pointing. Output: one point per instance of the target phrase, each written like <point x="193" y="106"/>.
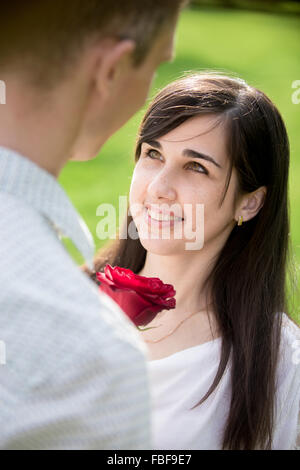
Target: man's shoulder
<point x="46" y="330"/>
<point x="46" y="302"/>
<point x="27" y="240"/>
<point x="34" y="261"/>
<point x="63" y="307"/>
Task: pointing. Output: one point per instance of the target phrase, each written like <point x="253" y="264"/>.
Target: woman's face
<point x="173" y="177"/>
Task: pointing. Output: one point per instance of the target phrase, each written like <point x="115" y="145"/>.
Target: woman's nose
<point x="162" y="187"/>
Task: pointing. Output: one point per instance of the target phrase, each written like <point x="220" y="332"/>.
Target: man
<point x="75" y="371"/>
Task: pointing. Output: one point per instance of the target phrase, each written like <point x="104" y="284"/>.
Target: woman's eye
<point x="194" y="166"/>
<point x="198" y="168"/>
<point x="152" y="153"/>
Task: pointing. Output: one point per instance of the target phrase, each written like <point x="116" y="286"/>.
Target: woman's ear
<point x="251" y="204"/>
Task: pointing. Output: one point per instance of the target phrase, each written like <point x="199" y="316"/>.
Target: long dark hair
<point x="249" y="280"/>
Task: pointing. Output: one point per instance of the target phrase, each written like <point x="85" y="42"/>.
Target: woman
<point x="212" y="160"/>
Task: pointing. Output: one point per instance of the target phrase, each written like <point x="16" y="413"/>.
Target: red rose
<point x="141" y="298"/>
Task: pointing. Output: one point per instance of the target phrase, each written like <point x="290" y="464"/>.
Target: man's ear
<point x="251" y="204"/>
<point x="114" y="57"/>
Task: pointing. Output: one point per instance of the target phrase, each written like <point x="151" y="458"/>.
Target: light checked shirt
<point x="75" y="374"/>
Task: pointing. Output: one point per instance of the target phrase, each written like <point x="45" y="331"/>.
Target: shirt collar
<point x="21" y="177"/>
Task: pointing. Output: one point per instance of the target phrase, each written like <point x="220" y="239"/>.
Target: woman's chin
<point x="163" y="247"/>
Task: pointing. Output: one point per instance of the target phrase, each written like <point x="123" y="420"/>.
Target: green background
<point x="262" y="48"/>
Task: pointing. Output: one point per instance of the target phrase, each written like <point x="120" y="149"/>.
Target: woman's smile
<point x="157" y="219"/>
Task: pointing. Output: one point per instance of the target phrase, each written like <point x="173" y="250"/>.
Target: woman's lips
<point x="159" y="223"/>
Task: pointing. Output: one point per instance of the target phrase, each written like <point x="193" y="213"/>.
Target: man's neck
<point x="40" y="126"/>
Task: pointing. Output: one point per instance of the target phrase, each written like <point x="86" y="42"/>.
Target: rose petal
<point x="141" y="298"/>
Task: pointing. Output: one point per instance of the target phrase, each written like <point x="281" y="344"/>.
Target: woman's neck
<point x="187" y="275"/>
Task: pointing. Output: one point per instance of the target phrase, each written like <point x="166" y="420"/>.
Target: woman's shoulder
<point x="290" y="331"/>
<point x="289" y="353"/>
<point x="288" y="382"/>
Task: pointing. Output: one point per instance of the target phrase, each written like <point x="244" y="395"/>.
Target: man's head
<point x="109" y="49"/>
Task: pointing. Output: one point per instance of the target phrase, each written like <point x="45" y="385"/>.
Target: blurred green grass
<point x="262" y="48"/>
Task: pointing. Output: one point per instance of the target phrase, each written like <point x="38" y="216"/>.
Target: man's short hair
<point x="44" y="37"/>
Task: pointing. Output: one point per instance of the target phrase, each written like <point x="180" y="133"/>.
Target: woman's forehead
<point x="195" y="127"/>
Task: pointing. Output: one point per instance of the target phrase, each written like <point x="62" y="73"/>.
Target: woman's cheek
<point x="134" y="186"/>
<point x="137" y="194"/>
<point x="142" y="177"/>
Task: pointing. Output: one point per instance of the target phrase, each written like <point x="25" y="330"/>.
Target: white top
<point x="72" y="366"/>
<point x="180" y="380"/>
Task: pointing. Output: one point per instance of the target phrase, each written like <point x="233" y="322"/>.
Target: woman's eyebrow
<point x="153" y="143"/>
<point x="186" y="152"/>
<point x="193" y="154"/>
